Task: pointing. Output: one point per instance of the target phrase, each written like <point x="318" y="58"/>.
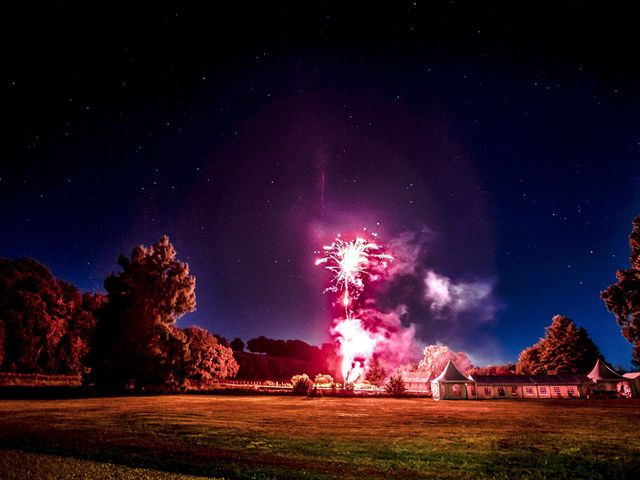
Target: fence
<point x="39" y="380"/>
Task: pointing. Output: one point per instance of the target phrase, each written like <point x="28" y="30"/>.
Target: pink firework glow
<point x="353" y="263"/>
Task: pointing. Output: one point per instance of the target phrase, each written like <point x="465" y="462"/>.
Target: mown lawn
<point x="294" y="437"/>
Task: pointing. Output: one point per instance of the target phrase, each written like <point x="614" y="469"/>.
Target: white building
<point x="451" y="384"/>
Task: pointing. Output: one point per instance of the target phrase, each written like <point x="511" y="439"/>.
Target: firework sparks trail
<point x="352" y="264"/>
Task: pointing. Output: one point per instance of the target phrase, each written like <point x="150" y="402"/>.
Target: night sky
<point x="499" y="144"/>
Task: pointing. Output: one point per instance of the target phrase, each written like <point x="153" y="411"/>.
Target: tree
<point x="237" y="345"/>
<point x="45" y="322"/>
<point x="204" y="359"/>
<point x="75" y="344"/>
<point x="568" y="349"/>
<point x="436" y="358"/>
<point x="623" y="297"/>
<point x="221" y="340"/>
<point x="323" y="379"/>
<point x="565" y="348"/>
<point x="136" y="341"/>
<point x="529" y="361"/>
<point x="395" y="385"/>
<point x="376" y="372"/>
<point x="286" y="348"/>
<point x="302" y="384"/>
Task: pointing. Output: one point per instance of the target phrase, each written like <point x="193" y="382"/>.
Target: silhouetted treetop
<point x="287" y="348"/>
<point x="565" y="348"/>
<point x="623" y="297"/>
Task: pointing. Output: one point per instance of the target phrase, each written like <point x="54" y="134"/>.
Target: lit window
<point x="556" y="391"/>
<point x="571" y="391"/>
<point x="543" y="390"/>
<point x="528" y="390"/>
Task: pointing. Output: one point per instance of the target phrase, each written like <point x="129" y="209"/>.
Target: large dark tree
<point x="136" y="341"/>
<point x="623" y="297"/>
<point x="565" y="348"/>
<point x="45" y="323"/>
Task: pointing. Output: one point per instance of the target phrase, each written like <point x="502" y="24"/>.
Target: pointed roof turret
<point x="451" y="374"/>
<point x="601" y="372"/>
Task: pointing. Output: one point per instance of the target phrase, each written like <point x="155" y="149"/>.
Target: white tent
<point x="451" y="384"/>
<point x="606" y="380"/>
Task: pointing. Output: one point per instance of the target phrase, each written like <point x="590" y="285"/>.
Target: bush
<point x="302" y="384"/>
<point x="395" y="386"/>
<point x="323" y="379"/>
<point x="347" y="389"/>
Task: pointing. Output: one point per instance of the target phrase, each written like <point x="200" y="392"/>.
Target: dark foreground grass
<point x="20" y="465"/>
<point x="292" y="437"/>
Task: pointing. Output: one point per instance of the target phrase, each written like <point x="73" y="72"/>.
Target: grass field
<point x="295" y="437"/>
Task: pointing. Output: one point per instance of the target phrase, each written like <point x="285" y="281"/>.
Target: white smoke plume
<point x="450" y="299"/>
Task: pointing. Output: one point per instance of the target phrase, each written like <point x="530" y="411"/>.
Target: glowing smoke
<point x="356" y="347"/>
<point x="353" y="263"/>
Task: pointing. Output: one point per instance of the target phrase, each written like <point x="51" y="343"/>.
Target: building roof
<point x="601" y="372"/>
<point x="451" y="374"/>
<point x="504" y="379"/>
<point x="632" y="375"/>
<point x="564" y="379"/>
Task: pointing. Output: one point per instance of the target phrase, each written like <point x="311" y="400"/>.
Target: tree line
<point x="126" y="338"/>
<point x="274" y="359"/>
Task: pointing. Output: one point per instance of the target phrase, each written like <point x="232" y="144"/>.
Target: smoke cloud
<point x="439" y="308"/>
<point x="396" y="343"/>
<point x="450" y="299"/>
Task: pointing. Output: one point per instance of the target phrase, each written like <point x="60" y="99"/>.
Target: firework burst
<point x="353" y="263"/>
